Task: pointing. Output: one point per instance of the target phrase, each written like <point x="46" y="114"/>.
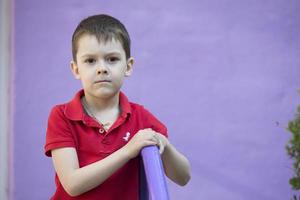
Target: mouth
<point x="103" y="81"/>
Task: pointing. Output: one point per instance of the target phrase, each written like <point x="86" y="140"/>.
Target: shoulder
<point x="135" y="107"/>
<point x="57" y="118"/>
<point x="72" y="110"/>
<point x="148" y="120"/>
<point x="138" y="109"/>
<point x="58" y="110"/>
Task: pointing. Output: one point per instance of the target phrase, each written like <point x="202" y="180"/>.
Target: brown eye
<point x="113" y="59"/>
<point x="90" y="61"/>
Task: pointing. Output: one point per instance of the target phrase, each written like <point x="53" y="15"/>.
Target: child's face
<point x="101" y="66"/>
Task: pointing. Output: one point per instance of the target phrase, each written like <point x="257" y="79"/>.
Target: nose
<point x="102" y="70"/>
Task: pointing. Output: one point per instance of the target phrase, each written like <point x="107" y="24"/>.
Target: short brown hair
<point x="105" y="28"/>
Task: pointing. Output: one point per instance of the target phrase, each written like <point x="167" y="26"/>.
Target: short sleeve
<point x="152" y="122"/>
<point x="58" y="133"/>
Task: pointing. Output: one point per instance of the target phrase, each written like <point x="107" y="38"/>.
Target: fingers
<point x="149" y="134"/>
<point x="155" y="140"/>
<point x="151" y="137"/>
<point x="149" y="143"/>
<point x="146" y="137"/>
<point x="161" y="147"/>
<point x="159" y="142"/>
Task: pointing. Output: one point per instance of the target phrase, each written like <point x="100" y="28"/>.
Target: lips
<point x="103" y="81"/>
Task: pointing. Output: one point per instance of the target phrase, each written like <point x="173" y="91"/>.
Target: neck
<point x="100" y="105"/>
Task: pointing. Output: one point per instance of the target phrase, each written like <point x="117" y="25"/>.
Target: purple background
<point x="222" y="75"/>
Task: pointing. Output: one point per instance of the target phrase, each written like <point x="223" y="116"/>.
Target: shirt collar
<point x="74" y="109"/>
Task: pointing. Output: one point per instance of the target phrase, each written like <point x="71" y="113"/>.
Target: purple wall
<point x="222" y="75"/>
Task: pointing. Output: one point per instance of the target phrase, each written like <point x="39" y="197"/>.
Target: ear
<point x="129" y="66"/>
<point x="74" y="69"/>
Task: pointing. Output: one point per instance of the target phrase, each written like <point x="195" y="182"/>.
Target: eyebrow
<point x="107" y="54"/>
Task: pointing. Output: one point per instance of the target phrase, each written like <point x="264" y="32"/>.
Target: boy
<point x="95" y="139"/>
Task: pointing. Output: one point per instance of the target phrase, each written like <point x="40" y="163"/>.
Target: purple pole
<point x="155" y="175"/>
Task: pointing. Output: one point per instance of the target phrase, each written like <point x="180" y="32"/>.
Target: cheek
<point x="119" y="79"/>
<point x="86" y="77"/>
<point x="119" y="72"/>
<point x="87" y="73"/>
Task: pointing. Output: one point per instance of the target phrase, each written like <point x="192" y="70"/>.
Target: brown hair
<point x="105" y="28"/>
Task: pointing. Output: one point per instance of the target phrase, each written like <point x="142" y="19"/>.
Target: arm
<point x="176" y="165"/>
<point x="77" y="180"/>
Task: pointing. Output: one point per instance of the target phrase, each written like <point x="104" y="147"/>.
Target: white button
<point x="101" y="130"/>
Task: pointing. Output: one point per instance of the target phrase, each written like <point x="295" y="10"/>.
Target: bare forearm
<point x="77" y="180"/>
<point x="88" y="177"/>
<point x="176" y="166"/>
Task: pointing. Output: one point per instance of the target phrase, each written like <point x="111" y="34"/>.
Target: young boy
<point x="95" y="139"/>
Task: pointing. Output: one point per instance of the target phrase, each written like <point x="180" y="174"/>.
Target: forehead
<point x="90" y="44"/>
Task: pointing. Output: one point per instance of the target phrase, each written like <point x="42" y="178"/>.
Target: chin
<point x="106" y="94"/>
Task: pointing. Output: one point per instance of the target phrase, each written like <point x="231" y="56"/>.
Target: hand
<point x="144" y="137"/>
<point x="162" y="142"/>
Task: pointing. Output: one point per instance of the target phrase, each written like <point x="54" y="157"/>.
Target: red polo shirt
<point x="70" y="126"/>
